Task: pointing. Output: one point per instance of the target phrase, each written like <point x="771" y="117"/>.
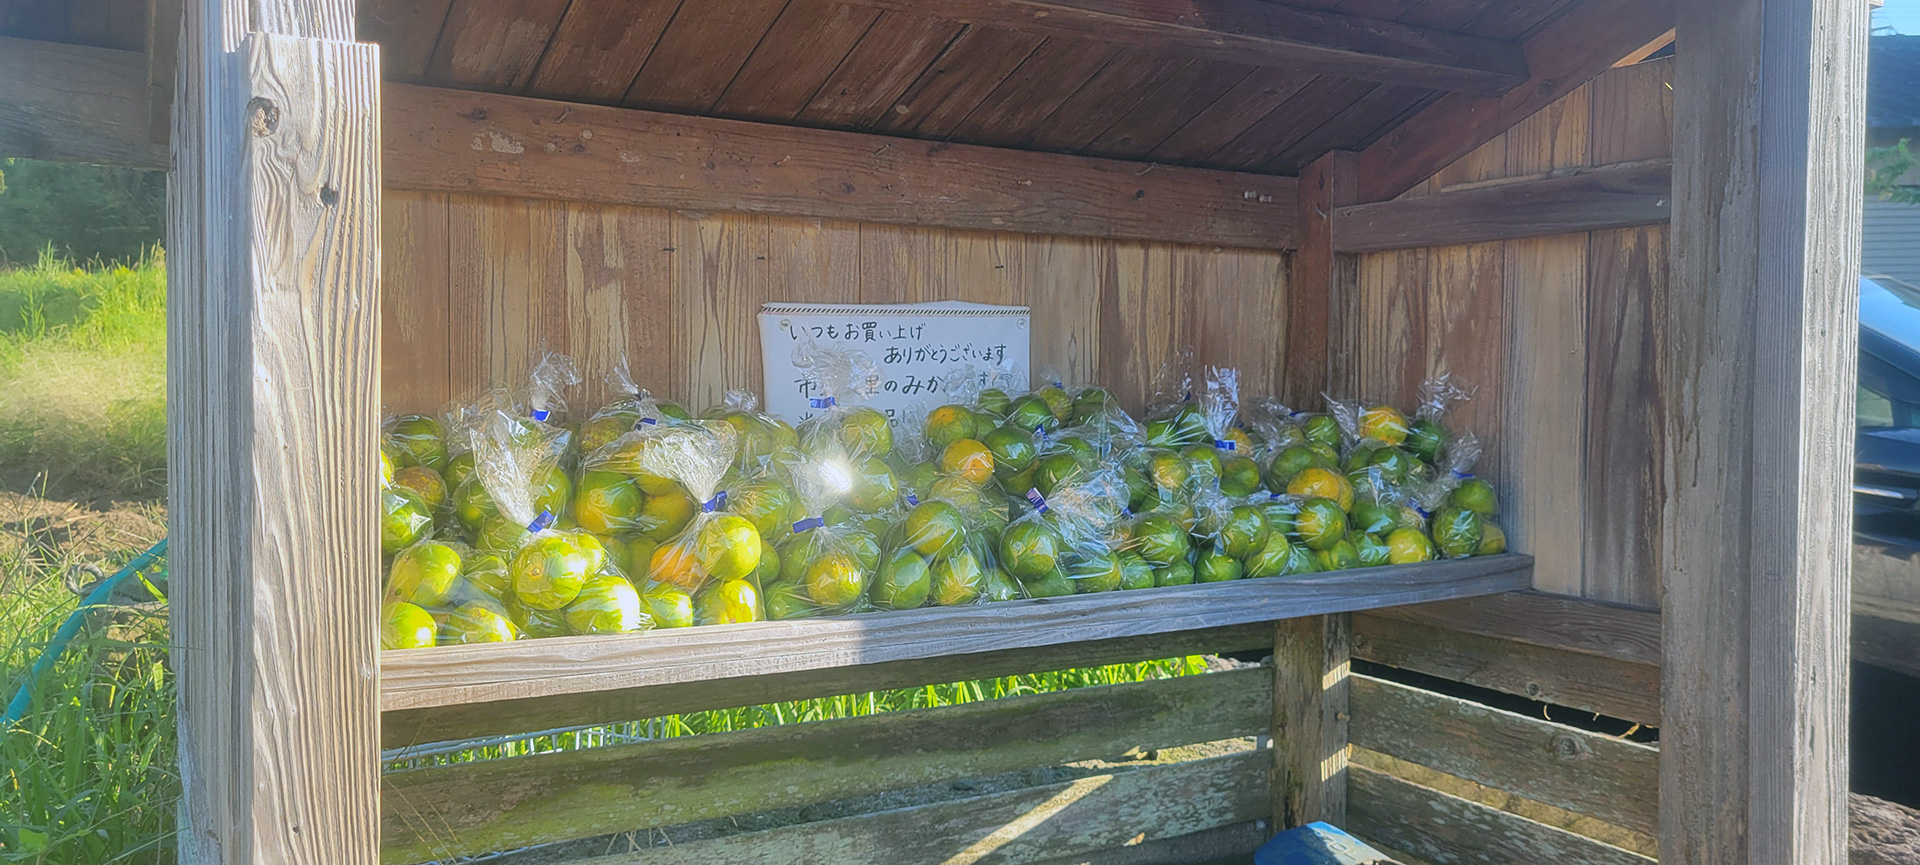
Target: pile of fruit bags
<point x="504" y="519"/>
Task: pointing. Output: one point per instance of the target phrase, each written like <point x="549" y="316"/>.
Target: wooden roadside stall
<point x="1647" y="266"/>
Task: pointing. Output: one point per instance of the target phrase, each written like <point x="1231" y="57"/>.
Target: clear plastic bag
<point x="763" y="437"/>
<point x="713" y="558"/>
<point x="1232" y="455"/>
<point x="839" y="380"/>
<point x="552" y="374"/>
<point x="1427" y="436"/>
<point x="634" y="407"/>
<point x="827" y="561"/>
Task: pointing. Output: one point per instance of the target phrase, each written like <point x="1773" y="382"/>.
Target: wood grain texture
<point x="406" y="31"/>
<point x="493" y="44"/>
<point x="1012" y="112"/>
<point x="1588" y="773"/>
<point x="1588" y="683"/>
<point x="598" y="49"/>
<point x="1165" y="109"/>
<point x="71" y="103"/>
<point x="163" y="64"/>
<point x="416" y="289"/>
<point x="273" y="333"/>
<point x="1567" y="203"/>
<point x="1448" y="830"/>
<point x="1143" y="319"/>
<point x="403" y="728"/>
<point x="1561" y="57"/>
<point x="1632" y="109"/>
<point x="1627" y="296"/>
<point x="1319" y="318"/>
<point x="805" y="45"/>
<point x="505" y="804"/>
<point x="1311" y="710"/>
<point x="1760" y="362"/>
<point x="1063" y="295"/>
<point x="443" y="140"/>
<point x="1543" y="440"/>
<point x="700" y="53"/>
<point x="1240" y="302"/>
<point x="949" y="88"/>
<point x="1032" y="825"/>
<point x="896" y="49"/>
<point x="1554" y="621"/>
<point x="720" y="275"/>
<point x="1109" y="94"/>
<point x="1227" y="116"/>
<point x="1258" y="34"/>
<point x="449" y="675"/>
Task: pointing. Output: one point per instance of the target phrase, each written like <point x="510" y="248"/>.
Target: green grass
<point x="83" y="379"/>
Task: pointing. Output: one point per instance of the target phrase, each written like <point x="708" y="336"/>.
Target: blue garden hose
<point x="70" y="628"/>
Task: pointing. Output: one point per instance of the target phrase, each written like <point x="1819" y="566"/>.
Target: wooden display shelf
<point x="418" y="679"/>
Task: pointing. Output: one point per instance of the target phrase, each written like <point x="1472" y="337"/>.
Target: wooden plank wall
<point x="475" y="284"/>
<point x="1560" y="335"/>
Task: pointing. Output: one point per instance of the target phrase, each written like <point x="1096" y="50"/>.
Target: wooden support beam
<point x="1311" y="695"/>
<point x="1320" y="327"/>
<point x="1585" y="200"/>
<point x="1554" y="621"/>
<point x="454" y="141"/>
<point x="72" y="103"/>
<point x="163" y="61"/>
<point x="1441" y="827"/>
<point x="1760" y="366"/>
<point x="1564" y="55"/>
<point x="1256" y="33"/>
<point x="273" y="421"/>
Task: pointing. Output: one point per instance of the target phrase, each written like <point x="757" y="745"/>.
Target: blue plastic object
<point x="1318" y="844"/>
<point x="17" y="708"/>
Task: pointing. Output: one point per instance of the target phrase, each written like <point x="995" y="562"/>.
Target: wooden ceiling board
<point x="1239" y="108"/>
<point x="494" y="45"/>
<point x="1292" y="121"/>
<point x="1513" y="20"/>
<point x="970" y="68"/>
<point x="809" y="40"/>
<point x="1349" y="128"/>
<point x="1163" y="110"/>
<point x="1106" y="97"/>
<point x="599" y="48"/>
<point x="888" y="59"/>
<point x="407" y="30"/>
<point x="1027" y="97"/>
<point x="700" y="53"/>
<point x="118" y="24"/>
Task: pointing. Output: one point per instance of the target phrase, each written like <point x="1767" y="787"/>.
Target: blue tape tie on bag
<point x="718" y="501"/>
<point x="826" y="402"/>
<point x="541" y="414"/>
<point x="1038" y="501"/>
<point x="542" y="522"/>
<point x="808" y="524"/>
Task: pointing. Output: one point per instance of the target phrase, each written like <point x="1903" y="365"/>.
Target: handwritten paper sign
<point x="917" y="348"/>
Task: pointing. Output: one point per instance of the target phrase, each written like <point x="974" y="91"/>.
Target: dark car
<point x="1886" y="479"/>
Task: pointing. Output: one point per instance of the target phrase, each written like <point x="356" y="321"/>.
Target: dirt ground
<point x="44" y="538"/>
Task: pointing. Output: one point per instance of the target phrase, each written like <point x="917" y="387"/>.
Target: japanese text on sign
<point x="917" y="349"/>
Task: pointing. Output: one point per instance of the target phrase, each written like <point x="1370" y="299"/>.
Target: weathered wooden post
<point x="1768" y="153"/>
<point x="273" y="395"/>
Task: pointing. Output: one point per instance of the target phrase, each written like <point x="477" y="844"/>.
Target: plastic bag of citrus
<point x="1227" y="455"/>
<point x="932" y="556"/>
<point x="442" y="592"/>
<point x="827" y="560"/>
<point x="560" y="580"/>
<point x="709" y="564"/>
<point x="839" y="379"/>
<point x="1427" y="436"/>
<point x="763" y="437"/>
<point x="1386" y="525"/>
<point x="552" y="374"/>
<point x="1462" y="506"/>
<point x="1173" y="418"/>
<point x="633" y="408"/>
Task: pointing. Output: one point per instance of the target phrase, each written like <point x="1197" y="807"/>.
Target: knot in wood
<point x="1564" y="747"/>
<point x="263" y="117"/>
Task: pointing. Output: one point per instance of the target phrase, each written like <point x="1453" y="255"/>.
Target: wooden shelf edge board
<point x="454" y="675"/>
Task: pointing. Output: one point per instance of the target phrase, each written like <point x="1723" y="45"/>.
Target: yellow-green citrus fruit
<point x="994" y="401"/>
<point x="1320" y="524"/>
<point x="932" y="528"/>
<point x="874" y="486"/>
<point x="865" y="546"/>
<point x="1373" y="551"/>
<point x="608" y="502"/>
<point x="458" y="470"/>
<point x="424" y="574"/>
<point x="1032" y="413"/>
<point x="1095" y="572"/>
<point x="472" y="506"/>
<point x="1244" y="531"/>
<point x="602" y="429"/>
<point x="1054" y="471"/>
<point x="1282" y="515"/>
<point x="1475" y="495"/>
<point x="423" y="482"/>
<point x="1322" y="429"/>
<point x="765" y="503"/>
<point x="1493" y="541"/>
<point x="727" y="547"/>
<point x="998" y="585"/>
<point x="1300" y="561"/>
<point x="1270" y="560"/>
<point x="1338" y="557"/>
<point x="500" y="535"/>
<point x="606" y="605"/>
<point x="1204" y="460"/>
<point x="731" y="602"/>
<point x="1407" y="546"/>
<point x="480" y="622"/>
<point x="1054" y="584"/>
<point x="948" y="424"/>
<point x="386" y="468"/>
<point x="768" y="570"/>
<point x="1426" y="438"/>
<point x="788" y="601"/>
<point x="1013" y="450"/>
<point x="1168" y="471"/>
<point x="1457" y="531"/>
<point x="1159" y="539"/>
<point x="406" y="626"/>
<point x="1323" y="483"/>
<point x="1180" y="573"/>
<point x="669" y="606"/>
<point x="1030" y="549"/>
<point x="865" y="432"/>
<point x="1090" y="404"/>
<point x="1215" y="566"/>
<point x="404" y="520"/>
<point x="418" y="440"/>
<point x="835" y="580"/>
<point x="903" y="582"/>
<point x="666" y="514"/>
<point x="1239" y="475"/>
<point x="549" y="571"/>
<point x="961" y="493"/>
<point x="1290" y="462"/>
<point x="1383" y="423"/>
<point x="1372" y="517"/>
<point x="969" y="459"/>
<point x="1135" y="573"/>
<point x="484" y="577"/>
<point x="957" y="578"/>
<point x="1057" y="400"/>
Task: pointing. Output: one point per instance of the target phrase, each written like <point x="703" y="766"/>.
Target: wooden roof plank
<point x="407" y="31"/>
<point x="1049" y="77"/>
<point x="1564" y="55"/>
<point x="1293" y="121"/>
<point x="493" y="44"/>
<point x="1259" y="34"/>
<point x="809" y="40"/>
<point x="1349" y="128"/>
<point x="599" y="48"/>
<point x="893" y="54"/>
<point x="1167" y="108"/>
<point x="1105" y="98"/>
<point x="972" y="65"/>
<point x="1231" y="114"/>
<point x="700" y="53"/>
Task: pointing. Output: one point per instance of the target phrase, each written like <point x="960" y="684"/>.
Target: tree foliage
<point x="1885" y="166"/>
<point x="85" y="212"/>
